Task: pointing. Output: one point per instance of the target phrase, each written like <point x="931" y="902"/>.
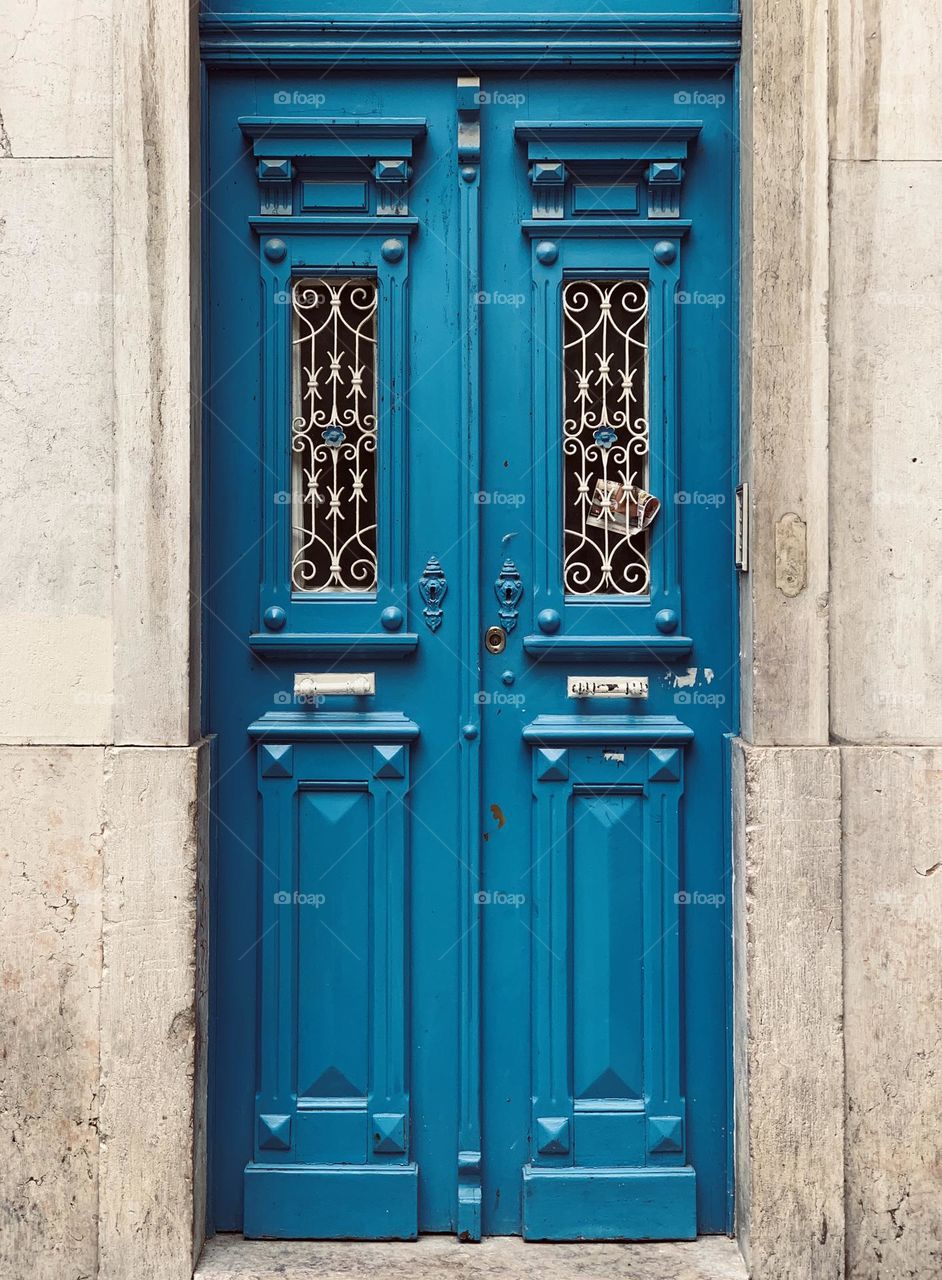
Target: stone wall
<point x="886" y="674"/>
<point x="842" y="683"/>
<point x="102" y="825"/>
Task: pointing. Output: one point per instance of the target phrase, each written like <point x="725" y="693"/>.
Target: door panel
<point x="471" y="939"/>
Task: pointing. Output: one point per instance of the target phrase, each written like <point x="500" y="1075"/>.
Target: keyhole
<point x="495" y="639"/>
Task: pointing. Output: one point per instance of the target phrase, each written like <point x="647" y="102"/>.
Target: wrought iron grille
<point x="605" y="438"/>
<point x="333" y="434"/>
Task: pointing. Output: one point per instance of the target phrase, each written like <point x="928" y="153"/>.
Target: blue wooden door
<point x="470" y="659"/>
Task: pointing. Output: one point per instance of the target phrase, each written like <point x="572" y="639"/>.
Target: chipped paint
<point x="688" y="681"/>
<point x="616" y="757"/>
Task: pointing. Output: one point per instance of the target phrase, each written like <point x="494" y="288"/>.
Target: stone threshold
<point x="231" y="1257"/>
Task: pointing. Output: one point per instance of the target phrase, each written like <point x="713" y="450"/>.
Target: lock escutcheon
<point x="495" y="639"/>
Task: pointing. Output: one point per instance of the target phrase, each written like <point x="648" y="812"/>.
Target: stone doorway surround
<point x="837" y="778"/>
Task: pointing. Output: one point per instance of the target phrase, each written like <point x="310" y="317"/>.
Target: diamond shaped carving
<point x="665" y="1134"/>
<point x="552" y="764"/>
<point x="389" y="1134"/>
<point x="277" y="760"/>
<point x="389" y="761"/>
<point x="664" y="765"/>
<point x="274" y="1133"/>
<point x="552" y="1135"/>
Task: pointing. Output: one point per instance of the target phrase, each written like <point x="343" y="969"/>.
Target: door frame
<point x="158" y="387"/>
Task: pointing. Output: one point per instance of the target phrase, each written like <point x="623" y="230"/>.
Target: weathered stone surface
<point x="886" y="396"/>
<point x="153" y="1016"/>
<point x="785" y="363"/>
<point x="885" y="101"/>
<point x="56" y="59"/>
<point x="56" y="426"/>
<point x="500" y="1258"/>
<point x="787" y="1011"/>
<point x="50" y="975"/>
<point x="156" y="372"/>
<point x="893" y="1012"/>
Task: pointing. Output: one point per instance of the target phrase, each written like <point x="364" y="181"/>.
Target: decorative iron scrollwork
<point x="432" y="589"/>
<point x="508" y="588"/>
<point x="605" y="438"/>
<point x="333" y="435"/>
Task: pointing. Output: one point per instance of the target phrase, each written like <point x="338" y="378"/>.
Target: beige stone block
<point x="56" y="682"/>
<point x="153" y="1014"/>
<point x="157" y="372"/>
<point x="784" y="363"/>
<point x="886" y="58"/>
<point x="50" y="976"/>
<point x="787" y="1011"/>
<point x="56" y="59"/>
<point x="892" y="1010"/>
<point x="434" y="1257"/>
<point x="886" y="467"/>
<point x="56" y="424"/>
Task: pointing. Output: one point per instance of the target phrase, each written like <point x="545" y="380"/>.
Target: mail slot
<point x="606" y="686"/>
<point x="334" y="684"/>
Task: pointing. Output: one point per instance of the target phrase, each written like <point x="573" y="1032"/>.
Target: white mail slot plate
<point x="334" y="684"/>
<point x="607" y="686"/>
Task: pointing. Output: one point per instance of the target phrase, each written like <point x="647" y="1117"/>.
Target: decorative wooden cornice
<point x="484" y="40"/>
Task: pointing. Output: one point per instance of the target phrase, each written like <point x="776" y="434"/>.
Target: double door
<point x="470" y="663"/>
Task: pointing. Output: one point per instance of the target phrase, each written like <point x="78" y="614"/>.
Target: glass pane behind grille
<point x="333" y="435"/>
<point x="605" y="438"/>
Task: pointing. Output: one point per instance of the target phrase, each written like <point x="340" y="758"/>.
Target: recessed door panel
<point x="607" y="891"/>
